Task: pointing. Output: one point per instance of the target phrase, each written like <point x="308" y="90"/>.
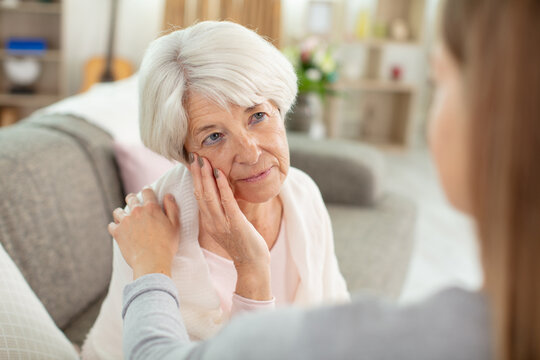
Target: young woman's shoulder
<point x="453" y="324"/>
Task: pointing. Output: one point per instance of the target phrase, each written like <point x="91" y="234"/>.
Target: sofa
<point x="60" y="182"/>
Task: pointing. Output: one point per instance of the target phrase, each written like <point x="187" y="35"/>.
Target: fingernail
<point x="191" y="158"/>
<point x="216" y="173"/>
<point x="201" y="162"/>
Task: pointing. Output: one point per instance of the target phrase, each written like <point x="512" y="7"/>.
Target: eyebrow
<point x="252" y="107"/>
<point x="204" y="128"/>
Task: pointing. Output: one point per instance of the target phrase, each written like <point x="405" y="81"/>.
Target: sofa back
<point x="59" y="184"/>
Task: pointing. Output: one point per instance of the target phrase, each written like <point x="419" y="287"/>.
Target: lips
<point x="258" y="176"/>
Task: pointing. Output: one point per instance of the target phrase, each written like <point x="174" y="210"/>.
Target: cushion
<point x="26" y="329"/>
<point x="55" y="209"/>
<point x="139" y="166"/>
<point x="346" y="172"/>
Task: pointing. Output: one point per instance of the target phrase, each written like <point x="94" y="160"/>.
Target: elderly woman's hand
<point x="147" y="237"/>
<point x="222" y="219"/>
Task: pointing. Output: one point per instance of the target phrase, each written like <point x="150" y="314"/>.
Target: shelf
<point x="34" y="100"/>
<point x="49" y="55"/>
<point x="379" y="43"/>
<point x="391" y="148"/>
<point x="373" y="85"/>
<point x="33" y="7"/>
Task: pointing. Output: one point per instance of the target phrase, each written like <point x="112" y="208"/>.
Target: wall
<point x="86" y="24"/>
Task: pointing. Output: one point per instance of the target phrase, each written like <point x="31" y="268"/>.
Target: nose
<point x="248" y="150"/>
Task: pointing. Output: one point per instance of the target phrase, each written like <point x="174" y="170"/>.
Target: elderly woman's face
<point x="248" y="144"/>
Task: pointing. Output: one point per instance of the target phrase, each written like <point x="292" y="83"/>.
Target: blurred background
<point x="363" y="68"/>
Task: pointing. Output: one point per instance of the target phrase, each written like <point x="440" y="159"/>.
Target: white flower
<point x="328" y="65"/>
<point x="318" y="57"/>
<point x="313" y="74"/>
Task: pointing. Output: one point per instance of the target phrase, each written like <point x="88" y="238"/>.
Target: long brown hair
<point x="497" y="45"/>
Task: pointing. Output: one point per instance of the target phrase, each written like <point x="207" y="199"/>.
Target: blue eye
<point x="258" y="117"/>
<point x="213" y="138"/>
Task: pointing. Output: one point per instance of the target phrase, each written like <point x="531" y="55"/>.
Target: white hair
<point x="224" y="61"/>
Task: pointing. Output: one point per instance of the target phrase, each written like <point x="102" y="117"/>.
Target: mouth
<point x="258" y="176"/>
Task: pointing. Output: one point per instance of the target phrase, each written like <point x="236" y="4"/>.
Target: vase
<point x="307" y="115"/>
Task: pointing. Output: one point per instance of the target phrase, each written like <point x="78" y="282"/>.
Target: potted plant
<point x="316" y="70"/>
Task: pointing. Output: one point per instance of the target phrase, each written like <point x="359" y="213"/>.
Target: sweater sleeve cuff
<point x="148" y="283"/>
<point x="241" y="304"/>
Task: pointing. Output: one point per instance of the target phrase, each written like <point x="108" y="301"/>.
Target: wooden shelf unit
<point x="49" y="55"/>
<point x="33" y="7"/>
<point x="372" y="108"/>
<point x="22" y="100"/>
<point x="373" y="85"/>
<point x="32" y="18"/>
<point x="373" y="42"/>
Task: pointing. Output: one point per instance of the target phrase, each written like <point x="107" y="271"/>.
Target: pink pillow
<point x="139" y="166"/>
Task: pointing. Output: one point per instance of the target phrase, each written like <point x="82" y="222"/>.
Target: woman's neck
<point x="261" y="215"/>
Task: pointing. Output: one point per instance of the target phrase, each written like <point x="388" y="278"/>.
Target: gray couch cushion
<point x="346" y="172"/>
<point x="97" y="145"/>
<point x="374" y="244"/>
<point x="54" y="216"/>
<point x="78" y="328"/>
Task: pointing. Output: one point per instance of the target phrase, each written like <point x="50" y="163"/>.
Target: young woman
<point x="485" y="136"/>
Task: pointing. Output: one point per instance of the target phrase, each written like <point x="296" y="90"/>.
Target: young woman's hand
<point x="222" y="219"/>
<point x="148" y="237"/>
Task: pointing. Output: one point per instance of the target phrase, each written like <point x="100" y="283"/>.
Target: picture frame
<point x="320" y="17"/>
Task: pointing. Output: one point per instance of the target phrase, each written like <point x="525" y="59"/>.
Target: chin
<point x="259" y="192"/>
<point x="256" y="196"/>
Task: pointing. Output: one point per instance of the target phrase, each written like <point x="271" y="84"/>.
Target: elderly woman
<point x="214" y="97"/>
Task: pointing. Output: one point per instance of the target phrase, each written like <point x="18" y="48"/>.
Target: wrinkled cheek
<point x="221" y="159"/>
<point x="283" y="154"/>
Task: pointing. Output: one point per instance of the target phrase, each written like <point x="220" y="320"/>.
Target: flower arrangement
<point x="315" y="66"/>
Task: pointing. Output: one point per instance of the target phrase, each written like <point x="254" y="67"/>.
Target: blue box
<point x="26" y="46"/>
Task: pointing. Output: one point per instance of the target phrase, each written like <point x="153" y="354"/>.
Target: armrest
<point x="346" y="172"/>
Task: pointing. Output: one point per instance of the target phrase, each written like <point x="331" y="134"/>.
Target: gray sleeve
<point x="450" y="325"/>
<point x="153" y="327"/>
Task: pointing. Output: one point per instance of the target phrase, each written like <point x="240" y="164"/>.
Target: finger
<point x="171" y="210"/>
<point x="132" y="201"/>
<point x="210" y="190"/>
<point x="198" y="191"/>
<point x="149" y="196"/>
<point x="228" y="202"/>
<point x="112" y="228"/>
<point x="196" y="175"/>
<point x="197" y="172"/>
<point x="118" y="215"/>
